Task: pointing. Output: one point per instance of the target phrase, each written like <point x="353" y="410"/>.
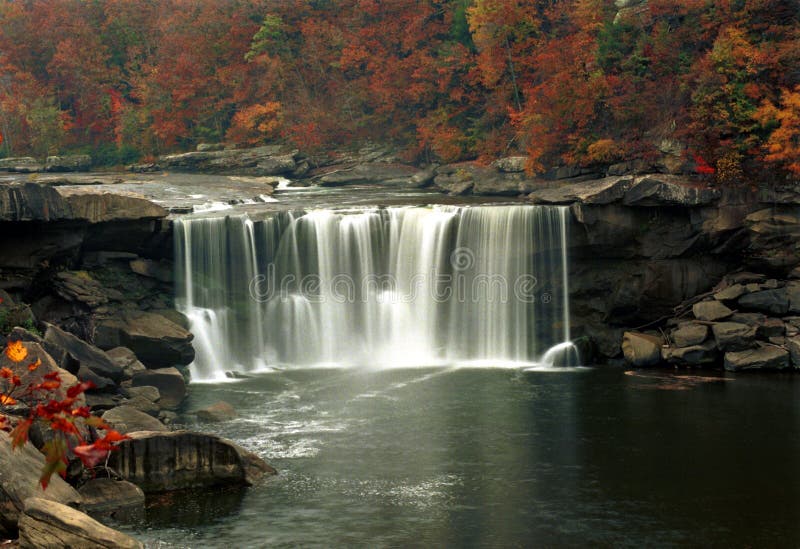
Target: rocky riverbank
<point x="86" y="286"/>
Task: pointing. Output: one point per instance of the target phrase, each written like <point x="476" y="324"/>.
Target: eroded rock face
<point x="50" y="524"/>
<point x="19" y="480"/>
<point x="159" y="462"/>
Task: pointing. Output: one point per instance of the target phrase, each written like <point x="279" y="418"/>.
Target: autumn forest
<point x="563" y="81"/>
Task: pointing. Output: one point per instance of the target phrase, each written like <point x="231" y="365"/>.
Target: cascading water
<point x="404" y="286"/>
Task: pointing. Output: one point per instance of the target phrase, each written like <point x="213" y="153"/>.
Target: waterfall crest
<point x="399" y="286"/>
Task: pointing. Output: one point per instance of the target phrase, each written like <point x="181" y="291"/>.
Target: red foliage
<point x="61" y="415"/>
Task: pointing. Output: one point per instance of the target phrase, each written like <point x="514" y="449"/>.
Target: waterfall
<point x="399" y="286"/>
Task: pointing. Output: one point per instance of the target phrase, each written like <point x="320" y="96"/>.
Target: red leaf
<point x="90" y="454"/>
<point x="75" y="390"/>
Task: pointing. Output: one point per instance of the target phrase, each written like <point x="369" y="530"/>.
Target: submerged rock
<point x="118" y="499"/>
<point x="219" y="411"/>
<point x="47" y="524"/>
<point x="159" y="462"/>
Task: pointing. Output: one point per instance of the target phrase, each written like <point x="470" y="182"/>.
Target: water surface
<point x="499" y="457"/>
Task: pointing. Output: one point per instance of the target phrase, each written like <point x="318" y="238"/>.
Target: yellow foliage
<point x="16" y="351"/>
<point x="604" y="151"/>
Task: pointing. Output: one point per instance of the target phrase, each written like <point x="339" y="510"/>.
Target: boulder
<point x="793" y="294"/>
<point x="641" y="349"/>
<point x="732" y="336"/>
<point x="126" y="359"/>
<point x="766" y="357"/>
<point x="145" y="391"/>
<point x="668" y="190"/>
<point x="19" y="480"/>
<point x="142" y="404"/>
<point x="695" y="355"/>
<point x="127" y="419"/>
<point x="769" y="301"/>
<point x="730" y="293"/>
<point x="50" y="524"/>
<point x="710" y="311"/>
<point x="68" y="163"/>
<point x="109" y="498"/>
<point x="159" y="462"/>
<point x="155" y="340"/>
<point x="690" y="333"/>
<point x="205" y="147"/>
<point x="169" y="382"/>
<point x="72" y="351"/>
<point x="771" y="327"/>
<point x="219" y="411"/>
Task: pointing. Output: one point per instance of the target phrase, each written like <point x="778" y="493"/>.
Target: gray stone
<point x="204" y="147"/>
<point x="219" y="411"/>
<point x="730" y="293"/>
<point x="771" y="327"/>
<point x="641" y="349"/>
<point x="109" y="498"/>
<point x="767" y="357"/>
<point x="22" y="164"/>
<point x="81" y="353"/>
<point x="142" y="404"/>
<point x="47" y="524"/>
<point x="258" y="161"/>
<point x="510" y="164"/>
<point x="101" y="205"/>
<point x="160" y="270"/>
<point x="793" y="345"/>
<point x="145" y="391"/>
<point x="667" y="190"/>
<point x="711" y="311"/>
<point x="159" y="462"/>
<point x="19" y="480"/>
<point x="598" y="191"/>
<point x="769" y="301"/>
<point x="751" y="319"/>
<point x="690" y="333"/>
<point x="80" y="287"/>
<point x="169" y="382"/>
<point x="694" y="355"/>
<point x="732" y="336"/>
<point x="793" y="293"/>
<point x="126" y="359"/>
<point x="127" y="419"/>
<point x="68" y="163"/>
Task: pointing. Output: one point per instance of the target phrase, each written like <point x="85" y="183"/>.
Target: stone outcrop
<point x="470" y="178"/>
<point x="258" y="161"/>
<point x="158" y="462"/>
<point x="50" y="524"/>
<point x="19" y="480"/>
<point x="68" y="163"/>
<point x="376" y="172"/>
